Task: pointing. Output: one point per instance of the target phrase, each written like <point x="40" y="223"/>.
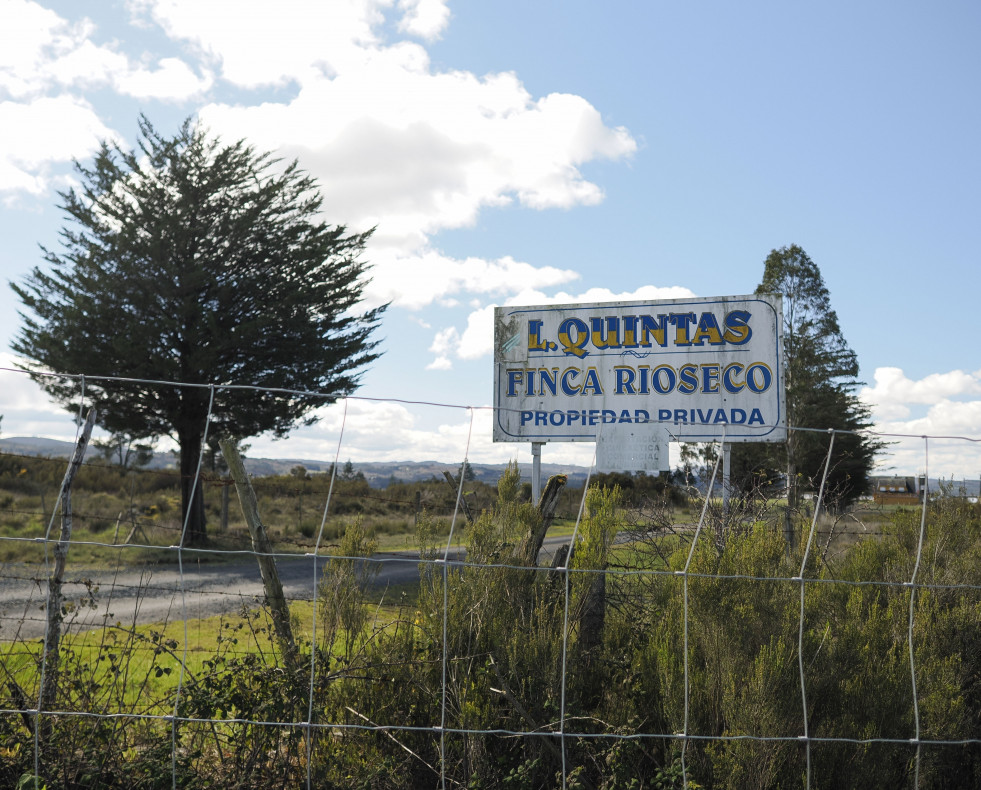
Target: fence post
<point x="789" y="532"/>
<point x="52" y="634"/>
<point x="463" y="497"/>
<point x="263" y="548"/>
<point x="531" y="544"/>
<point x="224" y="506"/>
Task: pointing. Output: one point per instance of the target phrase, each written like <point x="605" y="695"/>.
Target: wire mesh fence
<point x="671" y="640"/>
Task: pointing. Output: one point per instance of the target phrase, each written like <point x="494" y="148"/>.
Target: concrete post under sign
<point x="536" y="471"/>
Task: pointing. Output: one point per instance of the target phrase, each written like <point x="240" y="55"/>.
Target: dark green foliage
<point x="381" y="681"/>
<point x="821" y="371"/>
<point x="348" y="472"/>
<point x="191" y="260"/>
<point x="113" y="501"/>
<point x="119" y="449"/>
<point x="639" y="488"/>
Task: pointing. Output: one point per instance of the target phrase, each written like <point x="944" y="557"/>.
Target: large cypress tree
<point x="195" y="261"/>
<point x="821" y="370"/>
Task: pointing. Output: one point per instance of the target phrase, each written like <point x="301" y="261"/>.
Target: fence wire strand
<point x="912" y="605"/>
<point x="567" y="726"/>
<point x="47" y="568"/>
<point x="684" y="580"/>
<point x="819" y="502"/>
<point x="446" y="608"/>
<point x="565" y="618"/>
<point x="183" y="596"/>
<point x="316" y="585"/>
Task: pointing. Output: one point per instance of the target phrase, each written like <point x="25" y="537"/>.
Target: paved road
<point x="157" y="595"/>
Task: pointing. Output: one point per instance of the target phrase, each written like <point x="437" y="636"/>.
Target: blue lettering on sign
<point x="709" y="378"/>
<point x="576" y="336"/>
<point x="573" y="417"/>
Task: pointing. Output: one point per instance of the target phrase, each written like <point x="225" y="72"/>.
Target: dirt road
<point x="162" y="593"/>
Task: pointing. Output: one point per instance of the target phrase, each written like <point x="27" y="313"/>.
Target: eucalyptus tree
<point x="199" y="262"/>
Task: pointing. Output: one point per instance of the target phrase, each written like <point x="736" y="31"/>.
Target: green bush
<point x="444" y="681"/>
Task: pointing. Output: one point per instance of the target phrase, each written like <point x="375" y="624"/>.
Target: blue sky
<point x="516" y="152"/>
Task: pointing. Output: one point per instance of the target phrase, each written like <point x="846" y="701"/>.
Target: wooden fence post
<point x="527" y="550"/>
<point x="463" y="499"/>
<point x="263" y="548"/>
<point x="52" y="634"/>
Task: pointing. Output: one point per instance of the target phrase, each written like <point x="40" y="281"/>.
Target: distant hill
<point x="378" y="474"/>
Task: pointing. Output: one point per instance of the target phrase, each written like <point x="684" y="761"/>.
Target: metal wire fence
<point x="461" y="652"/>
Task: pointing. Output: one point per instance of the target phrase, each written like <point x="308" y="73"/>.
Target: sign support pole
<point x="536" y="472"/>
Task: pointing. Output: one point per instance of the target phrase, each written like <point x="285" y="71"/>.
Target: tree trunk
<point x="192" y="496"/>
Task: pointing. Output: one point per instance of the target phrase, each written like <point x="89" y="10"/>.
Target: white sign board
<point x="702" y="369"/>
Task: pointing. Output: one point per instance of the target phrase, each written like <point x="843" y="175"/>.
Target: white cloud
<point x="261" y="43"/>
<point x="416" y="152"/>
<point x="26" y="409"/>
<point x="644" y="293"/>
<point x="393" y="141"/>
<point x="440" y="363"/>
<point x="392" y="431"/>
<point x="41" y="133"/>
<point x="46" y="63"/>
<point x="41" y="53"/>
<point x="415" y="281"/>
<point x="477" y="339"/>
<point x="951" y="420"/>
<point x="375" y="431"/>
<point x="474" y="342"/>
<point x="944" y="418"/>
<point x="367" y="430"/>
<point x="424" y="18"/>
<point x="892" y="385"/>
<point x="172" y="80"/>
<point x="443" y="342"/>
<point x="84" y="64"/>
<point x="32" y="41"/>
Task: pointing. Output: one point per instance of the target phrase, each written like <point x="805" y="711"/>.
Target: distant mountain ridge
<point x="377" y="473"/>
